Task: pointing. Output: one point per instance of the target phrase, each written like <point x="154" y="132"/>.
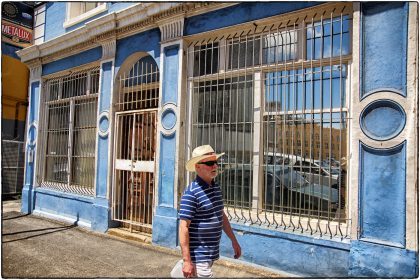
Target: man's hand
<point x="188" y="269"/>
<point x="236" y="248"/>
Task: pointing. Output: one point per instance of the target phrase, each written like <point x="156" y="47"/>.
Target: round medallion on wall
<point x="103" y="124"/>
<point x="32" y="134"/>
<point x="382" y="120"/>
<point x="168" y="119"/>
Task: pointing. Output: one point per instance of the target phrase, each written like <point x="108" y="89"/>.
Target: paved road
<point x="34" y="247"/>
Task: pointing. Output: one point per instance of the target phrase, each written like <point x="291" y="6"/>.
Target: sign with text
<point x="17" y="24"/>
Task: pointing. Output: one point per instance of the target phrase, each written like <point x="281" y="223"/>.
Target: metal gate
<point x="133" y="192"/>
<point x="134" y="145"/>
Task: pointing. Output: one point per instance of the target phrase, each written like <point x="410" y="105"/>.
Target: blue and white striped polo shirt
<point x="202" y="204"/>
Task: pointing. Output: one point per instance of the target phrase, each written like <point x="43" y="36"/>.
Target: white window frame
<point x="70" y="21"/>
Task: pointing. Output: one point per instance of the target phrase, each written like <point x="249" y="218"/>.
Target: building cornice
<point x="116" y="25"/>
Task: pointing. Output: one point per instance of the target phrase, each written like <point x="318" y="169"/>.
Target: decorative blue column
<point x="165" y="221"/>
<point x="101" y="217"/>
<point x="31" y="138"/>
<point x="383" y="145"/>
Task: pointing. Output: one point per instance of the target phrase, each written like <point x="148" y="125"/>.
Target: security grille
<point x="68" y="132"/>
<point x="134" y="147"/>
<point x="273" y="98"/>
<point x="12" y="166"/>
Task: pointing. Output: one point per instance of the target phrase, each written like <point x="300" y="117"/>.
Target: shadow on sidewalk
<point x="49" y="231"/>
<point x="14" y="217"/>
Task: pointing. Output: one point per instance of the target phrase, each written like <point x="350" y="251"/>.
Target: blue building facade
<point x="315" y="105"/>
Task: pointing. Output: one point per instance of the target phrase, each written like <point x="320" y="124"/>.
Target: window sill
<point x="80" y="18"/>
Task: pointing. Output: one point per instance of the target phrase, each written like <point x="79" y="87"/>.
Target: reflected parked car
<point x="284" y="190"/>
<point x="313" y="170"/>
<point x="300" y="193"/>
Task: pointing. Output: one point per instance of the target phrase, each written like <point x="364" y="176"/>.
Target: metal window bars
<point x="273" y="98"/>
<point x="12" y="166"/>
<point x="68" y="132"/>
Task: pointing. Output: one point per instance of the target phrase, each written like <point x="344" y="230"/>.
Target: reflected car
<point x="285" y="190"/>
<point x="313" y="170"/>
<point x="300" y="193"/>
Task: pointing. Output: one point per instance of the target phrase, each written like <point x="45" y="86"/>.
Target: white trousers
<point x="203" y="269"/>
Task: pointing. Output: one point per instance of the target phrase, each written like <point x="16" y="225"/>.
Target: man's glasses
<point x="209" y="163"/>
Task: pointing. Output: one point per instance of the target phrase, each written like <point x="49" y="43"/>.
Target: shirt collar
<point x="201" y="182"/>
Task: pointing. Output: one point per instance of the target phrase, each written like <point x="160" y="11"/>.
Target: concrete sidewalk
<point x="34" y="247"/>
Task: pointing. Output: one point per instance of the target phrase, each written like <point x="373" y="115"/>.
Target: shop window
<point x="68" y="132"/>
<point x="258" y="95"/>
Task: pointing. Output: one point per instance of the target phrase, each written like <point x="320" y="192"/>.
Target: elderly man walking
<point x="202" y="217"/>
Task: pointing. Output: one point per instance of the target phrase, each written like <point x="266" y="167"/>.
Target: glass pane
<point x="206" y="59"/>
<point x="222" y="117"/>
<point x="84" y="141"/>
<point x="302" y="166"/>
<point x="324" y="42"/>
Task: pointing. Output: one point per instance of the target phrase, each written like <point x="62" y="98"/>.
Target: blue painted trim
<point x="165" y="231"/>
<point x="382" y="174"/>
<point x="106" y="81"/>
<point x="290" y="252"/>
<point x="166" y="211"/>
<point x="243" y="12"/>
<point x="27" y="199"/>
<point x="382" y="120"/>
<point x="166" y="170"/>
<point x="79" y="59"/>
<point x="103" y="145"/>
<point x="384" y="26"/>
<point x="101" y="216"/>
<point x="168" y="119"/>
<point x="170" y="75"/>
<point x="376" y="261"/>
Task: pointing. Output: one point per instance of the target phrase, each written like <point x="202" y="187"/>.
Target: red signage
<point x="15" y="34"/>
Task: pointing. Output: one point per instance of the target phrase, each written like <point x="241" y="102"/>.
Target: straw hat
<point x="200" y="153"/>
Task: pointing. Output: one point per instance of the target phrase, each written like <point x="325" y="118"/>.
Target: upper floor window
<point x="80" y="11"/>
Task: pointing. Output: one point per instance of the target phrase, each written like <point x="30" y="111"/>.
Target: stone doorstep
<point x="134" y="236"/>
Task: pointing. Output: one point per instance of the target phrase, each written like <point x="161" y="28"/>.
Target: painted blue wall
<point x="240" y="13"/>
<point x="384" y="46"/>
<point x="170" y="75"/>
<point x="27" y="191"/>
<point x="167" y="170"/>
<point x="299" y="254"/>
<point x="382" y="184"/>
<point x="72" y="61"/>
<point x="370" y="260"/>
<point x="75" y="207"/>
<point x="56" y="15"/>
<point x="103" y="142"/>
<point x="148" y="41"/>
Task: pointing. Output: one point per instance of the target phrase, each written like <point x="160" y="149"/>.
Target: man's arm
<point x="229" y="232"/>
<point x="184" y="238"/>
